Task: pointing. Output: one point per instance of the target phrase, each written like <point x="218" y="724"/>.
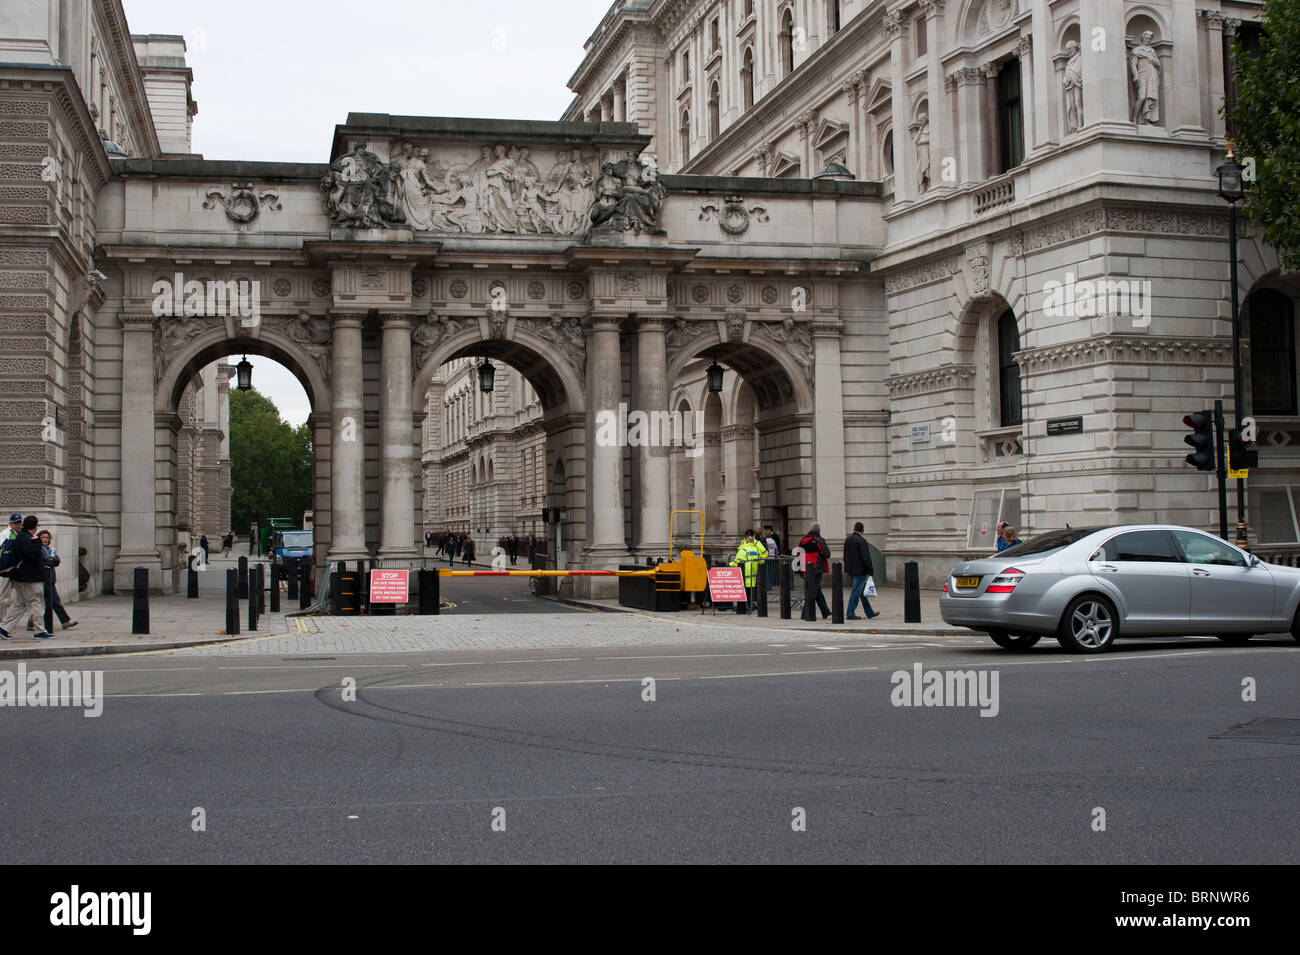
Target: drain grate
<point x="1268" y="730"/>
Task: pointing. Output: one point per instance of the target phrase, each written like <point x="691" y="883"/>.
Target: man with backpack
<point x="23" y="560"/>
<point x="6" y="593"/>
<point x="817" y="556"/>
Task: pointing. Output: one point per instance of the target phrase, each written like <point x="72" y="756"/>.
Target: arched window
<point x="787" y="43"/>
<point x="888" y="153"/>
<point x="747" y="78"/>
<point x="1272" y="353"/>
<point x="1011" y="123"/>
<point x="1008" y="370"/>
<point x="684" y="131"/>
<point x="715" y="121"/>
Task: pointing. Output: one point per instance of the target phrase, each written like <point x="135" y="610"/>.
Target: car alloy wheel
<point x="1014" y="641"/>
<point x="1088" y="625"/>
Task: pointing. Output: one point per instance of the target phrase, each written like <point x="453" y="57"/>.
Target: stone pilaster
<point x="347" y="442"/>
<point x="650" y="522"/>
<point x="904" y="153"/>
<point x="1105" y="71"/>
<point x="828" y="428"/>
<point x="139" y="548"/>
<point x="607" y="545"/>
<point x="397" y="451"/>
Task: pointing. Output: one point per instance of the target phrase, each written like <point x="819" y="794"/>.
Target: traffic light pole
<point x="1221" y="469"/>
<point x="1242" y="540"/>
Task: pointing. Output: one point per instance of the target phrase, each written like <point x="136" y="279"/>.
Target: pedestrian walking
<point x="467" y="550"/>
<point x="512" y="548"/>
<point x="6" y="594"/>
<point x="817" y="555"/>
<point x="857" y="564"/>
<point x="773" y="551"/>
<point x="203" y="546"/>
<point x="1006" y="536"/>
<point x="24" y="560"/>
<point x="227" y="543"/>
<point x="749" y="555"/>
<point x="52" y="560"/>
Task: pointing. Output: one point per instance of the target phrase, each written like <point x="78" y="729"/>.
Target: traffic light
<point x="1201" y="439"/>
<point x="1238" y="456"/>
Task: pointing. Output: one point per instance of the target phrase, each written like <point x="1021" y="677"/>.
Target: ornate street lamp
<point x="244" y="375"/>
<point x="1232" y="190"/>
<point x="486" y="376"/>
<point x="714" y="373"/>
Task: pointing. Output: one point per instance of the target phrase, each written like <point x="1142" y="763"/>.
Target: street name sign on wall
<point x="1057" y="426"/>
<point x="726" y="584"/>
<point x="389" y="586"/>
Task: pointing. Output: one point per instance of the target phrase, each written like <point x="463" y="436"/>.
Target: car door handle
<point x="1109" y="569"/>
<point x="1202" y="573"/>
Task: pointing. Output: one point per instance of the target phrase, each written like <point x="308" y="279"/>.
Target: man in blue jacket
<point x="27" y="580"/>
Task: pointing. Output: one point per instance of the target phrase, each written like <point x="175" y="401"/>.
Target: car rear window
<point x="1052" y="540"/>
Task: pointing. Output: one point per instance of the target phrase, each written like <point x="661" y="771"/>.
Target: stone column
<point x="347" y="442"/>
<point x="607" y="546"/>
<point x="620" y="106"/>
<point x="1049" y="102"/>
<point x="1031" y="117"/>
<point x="606" y="109"/>
<point x="1214" y="24"/>
<point x="139" y="547"/>
<point x="650" y="524"/>
<point x="828" y="429"/>
<point x="940" y="121"/>
<point x="904" y="152"/>
<point x="397" y="450"/>
<point x="1105" y="72"/>
<point x="969" y="147"/>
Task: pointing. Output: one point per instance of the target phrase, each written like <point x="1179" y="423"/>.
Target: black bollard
<point x="252" y="603"/>
<point x="49" y="599"/>
<point x="191" y="582"/>
<point x="762" y="588"/>
<point x="232" y="601"/>
<point x="911" y="592"/>
<point x="304" y="585"/>
<point x="291" y="570"/>
<point x="243" y="578"/>
<point x="430" y="596"/>
<point x="261" y="589"/>
<point x="837" y="592"/>
<point x="785" y="590"/>
<point x="275" y="587"/>
<point x="140" y="603"/>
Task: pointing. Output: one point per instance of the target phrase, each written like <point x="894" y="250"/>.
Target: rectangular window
<point x="1011" y="135"/>
<point x="1011" y="411"/>
<point x="1274" y="511"/>
<point x="989" y="507"/>
<point x="921" y="40"/>
<point x="715" y="40"/>
<point x="1272" y="353"/>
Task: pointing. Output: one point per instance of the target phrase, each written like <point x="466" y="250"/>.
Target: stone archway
<point x="159" y="471"/>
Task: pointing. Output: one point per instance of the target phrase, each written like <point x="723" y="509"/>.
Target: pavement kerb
<point x="48" y="652"/>
<point x="754" y="622"/>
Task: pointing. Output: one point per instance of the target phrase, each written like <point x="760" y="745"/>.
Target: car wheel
<point x="1014" y="641"/>
<point x="1089" y="625"/>
<point x="1234" y="639"/>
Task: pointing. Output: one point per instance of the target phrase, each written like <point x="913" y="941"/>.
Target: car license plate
<point x="968" y="581"/>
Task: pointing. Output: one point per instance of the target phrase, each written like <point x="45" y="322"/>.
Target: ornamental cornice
<point x="931" y="8"/>
<point x="1125" y="350"/>
<point x="965" y="76"/>
<point x="933" y="271"/>
<point x="943" y="378"/>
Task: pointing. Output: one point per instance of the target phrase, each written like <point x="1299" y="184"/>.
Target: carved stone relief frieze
<point x="732" y="214"/>
<point x="793" y="338"/>
<point x="242" y="201"/>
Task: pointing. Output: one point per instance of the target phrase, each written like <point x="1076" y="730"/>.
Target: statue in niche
<point x="1073" y="85"/>
<point x="920" y="131"/>
<point x="1144" y="68"/>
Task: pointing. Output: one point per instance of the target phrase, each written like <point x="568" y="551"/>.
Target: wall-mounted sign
<point x="920" y="434"/>
<point x="1057" y="426"/>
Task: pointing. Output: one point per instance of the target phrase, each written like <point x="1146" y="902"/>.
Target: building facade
<point x="954" y="262"/>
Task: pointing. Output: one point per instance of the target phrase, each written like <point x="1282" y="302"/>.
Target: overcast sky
<point x="272" y="78"/>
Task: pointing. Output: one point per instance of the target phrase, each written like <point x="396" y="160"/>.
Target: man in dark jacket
<point x="817" y="555"/>
<point x="27" y="581"/>
<point x="857" y="564"/>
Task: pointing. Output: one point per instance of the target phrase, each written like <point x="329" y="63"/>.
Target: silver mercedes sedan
<point x="1089" y="585"/>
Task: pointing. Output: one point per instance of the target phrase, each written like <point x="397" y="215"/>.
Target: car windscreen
<point x="1052" y="540"/>
<point x="295" y="539"/>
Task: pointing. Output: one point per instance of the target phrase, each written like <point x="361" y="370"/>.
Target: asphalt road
<point x="563" y="747"/>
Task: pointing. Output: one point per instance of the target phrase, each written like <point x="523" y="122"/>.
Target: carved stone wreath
<point x="734" y="294"/>
<point x="320" y="288"/>
<point x="243" y="204"/>
<point x="770" y="294"/>
<point x="700" y="293"/>
<point x="419" y="287"/>
<point x="282" y="287"/>
<point x="576" y="290"/>
<point x="458" y="288"/>
<point x="732" y="216"/>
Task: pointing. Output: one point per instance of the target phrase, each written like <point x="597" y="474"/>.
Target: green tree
<point x="266" y="449"/>
<point x="1266" y="115"/>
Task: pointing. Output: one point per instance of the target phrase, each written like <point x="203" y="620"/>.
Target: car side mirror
<point x="1253" y="561"/>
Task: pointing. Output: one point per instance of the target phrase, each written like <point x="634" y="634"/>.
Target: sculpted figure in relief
<point x="1144" y="67"/>
<point x="1073" y="84"/>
